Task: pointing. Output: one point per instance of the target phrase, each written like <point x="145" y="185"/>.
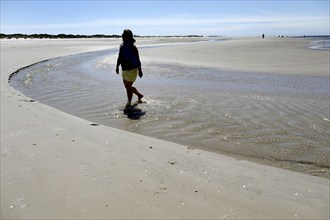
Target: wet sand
<point x="55" y="165"/>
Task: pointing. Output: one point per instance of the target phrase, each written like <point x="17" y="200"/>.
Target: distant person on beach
<point x="129" y="60"/>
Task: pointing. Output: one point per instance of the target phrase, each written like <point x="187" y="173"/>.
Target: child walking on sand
<point x="129" y="60"/>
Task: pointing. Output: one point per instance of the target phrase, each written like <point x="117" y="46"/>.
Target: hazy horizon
<point x="167" y="18"/>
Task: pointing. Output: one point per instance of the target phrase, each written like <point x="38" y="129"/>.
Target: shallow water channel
<point x="281" y="120"/>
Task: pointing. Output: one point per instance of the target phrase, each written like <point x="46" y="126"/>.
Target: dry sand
<point x="55" y="165"/>
<point x="256" y="55"/>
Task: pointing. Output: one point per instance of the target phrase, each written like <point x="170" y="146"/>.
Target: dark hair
<point x="128" y="35"/>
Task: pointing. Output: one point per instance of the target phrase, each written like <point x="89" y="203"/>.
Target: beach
<point x="282" y="118"/>
<point x="269" y="55"/>
<point x="56" y="165"/>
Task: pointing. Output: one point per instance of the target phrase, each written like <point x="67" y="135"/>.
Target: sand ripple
<point x="282" y="120"/>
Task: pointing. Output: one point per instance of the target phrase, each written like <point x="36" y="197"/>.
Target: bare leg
<point x="129" y="91"/>
<point x="136" y="92"/>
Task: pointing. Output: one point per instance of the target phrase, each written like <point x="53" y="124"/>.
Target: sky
<point x="217" y="17"/>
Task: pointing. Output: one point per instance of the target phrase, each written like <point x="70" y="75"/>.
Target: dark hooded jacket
<point x="128" y="56"/>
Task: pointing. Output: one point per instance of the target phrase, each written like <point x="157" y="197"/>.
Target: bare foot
<point x="139" y="99"/>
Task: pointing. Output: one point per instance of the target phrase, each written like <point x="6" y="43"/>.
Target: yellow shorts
<point x="130" y="75"/>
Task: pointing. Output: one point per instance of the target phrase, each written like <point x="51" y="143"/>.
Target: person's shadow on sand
<point x="134" y="113"/>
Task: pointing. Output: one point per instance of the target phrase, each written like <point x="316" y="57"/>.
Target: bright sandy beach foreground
<point x="58" y="166"/>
